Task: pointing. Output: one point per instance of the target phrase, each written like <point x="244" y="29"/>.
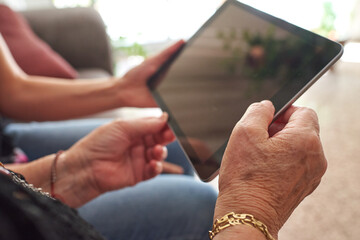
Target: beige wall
<point x="355" y="25"/>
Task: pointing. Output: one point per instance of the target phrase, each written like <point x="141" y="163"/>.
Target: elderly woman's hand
<point x="114" y="156"/>
<point x="266" y="171"/>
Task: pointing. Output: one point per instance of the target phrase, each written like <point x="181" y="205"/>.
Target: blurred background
<point x="140" y="28"/>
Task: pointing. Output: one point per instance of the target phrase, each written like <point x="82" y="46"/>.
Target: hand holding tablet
<point x="240" y="56"/>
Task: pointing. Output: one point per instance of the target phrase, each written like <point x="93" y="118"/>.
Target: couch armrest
<point x="77" y="34"/>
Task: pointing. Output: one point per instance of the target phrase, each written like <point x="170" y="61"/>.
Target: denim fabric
<point x="171" y="207"/>
<point x="168" y="207"/>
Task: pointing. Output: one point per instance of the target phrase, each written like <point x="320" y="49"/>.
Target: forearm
<point x="26" y="97"/>
<point x="36" y="172"/>
<point x="42" y="99"/>
<point x="71" y="186"/>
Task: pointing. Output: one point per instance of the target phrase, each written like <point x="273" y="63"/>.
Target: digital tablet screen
<point x="240" y="56"/>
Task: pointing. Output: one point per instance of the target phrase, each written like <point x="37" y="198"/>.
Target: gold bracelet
<point x="232" y="219"/>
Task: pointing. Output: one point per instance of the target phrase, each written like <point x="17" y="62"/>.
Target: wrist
<point x="120" y="87"/>
<point x="248" y="202"/>
<point x="72" y="183"/>
<point x="240" y="232"/>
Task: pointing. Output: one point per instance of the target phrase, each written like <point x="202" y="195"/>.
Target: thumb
<point x="257" y="117"/>
<point x="143" y="126"/>
<point x="162" y="57"/>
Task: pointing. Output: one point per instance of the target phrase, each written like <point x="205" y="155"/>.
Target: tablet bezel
<point x="291" y="95"/>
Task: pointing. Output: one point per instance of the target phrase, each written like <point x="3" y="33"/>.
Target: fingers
<point x="165" y="137"/>
<point x="142" y="72"/>
<point x="147" y="162"/>
<point x="281" y="122"/>
<point x="284" y="117"/>
<point x="155" y="167"/>
<point x="155" y="157"/>
<point x="162" y="57"/>
<point x="275" y="128"/>
<point x="172" y="168"/>
<point x="168" y="135"/>
<point x="157" y="152"/>
<point x="150" y="140"/>
<point x="164" y="153"/>
<point x="257" y="119"/>
<point x="305" y="118"/>
<point x="259" y="114"/>
<point x="140" y="128"/>
<point x="152" y="169"/>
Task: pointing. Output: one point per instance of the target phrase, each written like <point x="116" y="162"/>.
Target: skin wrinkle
<point x="278" y="195"/>
<point x="64" y="168"/>
<point x="260" y="182"/>
<point x="120" y="133"/>
<point x="251" y="199"/>
<point x="251" y="174"/>
<point x="273" y="174"/>
<point x="258" y="153"/>
<point x="248" y="176"/>
<point x="106" y="157"/>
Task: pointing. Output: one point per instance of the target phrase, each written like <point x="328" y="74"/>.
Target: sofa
<point x="78" y="35"/>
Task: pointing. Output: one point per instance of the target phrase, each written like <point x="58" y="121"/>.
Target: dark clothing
<point x="6" y="146"/>
<point x="26" y="214"/>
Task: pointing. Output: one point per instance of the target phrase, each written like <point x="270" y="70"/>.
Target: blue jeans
<point x="168" y="207"/>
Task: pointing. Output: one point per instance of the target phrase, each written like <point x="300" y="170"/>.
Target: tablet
<point x="239" y="56"/>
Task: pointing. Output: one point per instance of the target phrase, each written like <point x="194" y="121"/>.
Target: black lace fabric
<point x="25" y="214"/>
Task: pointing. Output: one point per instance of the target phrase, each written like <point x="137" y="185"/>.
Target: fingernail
<point x="158" y="167"/>
<point x="165" y="152"/>
<point x="164" y="116"/>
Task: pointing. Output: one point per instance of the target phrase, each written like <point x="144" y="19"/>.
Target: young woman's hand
<point x="133" y="91"/>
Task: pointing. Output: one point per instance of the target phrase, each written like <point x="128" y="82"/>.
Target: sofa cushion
<point x="32" y="54"/>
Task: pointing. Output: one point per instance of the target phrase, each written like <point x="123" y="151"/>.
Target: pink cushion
<point x="32" y="54"/>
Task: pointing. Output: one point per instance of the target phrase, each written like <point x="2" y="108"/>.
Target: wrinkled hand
<point x="266" y="171"/>
<point x="134" y="91"/>
<point x="119" y="154"/>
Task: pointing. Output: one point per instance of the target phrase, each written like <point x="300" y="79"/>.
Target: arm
<point x="40" y="98"/>
<point x="267" y="170"/>
<point x="114" y="156"/>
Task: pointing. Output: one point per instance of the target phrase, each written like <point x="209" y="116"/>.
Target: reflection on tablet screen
<point x="238" y="58"/>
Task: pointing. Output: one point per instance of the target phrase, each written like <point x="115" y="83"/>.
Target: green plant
<point x="327" y="24"/>
<point x="230" y="45"/>
<point x="133" y="49"/>
<point x="264" y="56"/>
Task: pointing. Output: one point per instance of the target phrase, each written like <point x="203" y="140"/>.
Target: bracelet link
<point x="232" y="219"/>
